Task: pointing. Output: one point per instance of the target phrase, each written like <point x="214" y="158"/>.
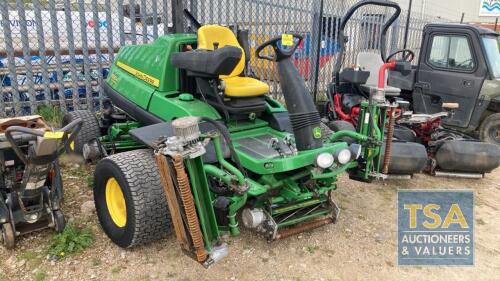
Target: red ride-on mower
<point x="30" y="178"/>
<point x="450" y="152"/>
<point x="352" y="87"/>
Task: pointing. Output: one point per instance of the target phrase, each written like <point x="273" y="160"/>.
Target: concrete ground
<point x="361" y="246"/>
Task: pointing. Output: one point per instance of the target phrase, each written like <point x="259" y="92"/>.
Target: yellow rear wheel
<point x="115" y="201"/>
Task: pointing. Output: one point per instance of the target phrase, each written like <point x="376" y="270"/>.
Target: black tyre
<point x="489" y="131"/>
<point x="8" y="235"/>
<point x="340" y="125"/>
<point x="89" y="131"/>
<point x="404" y="134"/>
<point x="57" y="183"/>
<point x="59" y="221"/>
<point x="129" y="198"/>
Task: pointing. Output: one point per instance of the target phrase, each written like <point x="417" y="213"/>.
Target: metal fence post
<point x="155" y="19"/>
<point x="394" y="36"/>
<point x="85" y="52"/>
<point x="98" y="54"/>
<point x="143" y="22"/>
<point x="57" y="54"/>
<point x="11" y="61"/>
<point x="165" y="16"/>
<point x="133" y="29"/>
<point x="121" y="24"/>
<point x="316" y="45"/>
<point x="177" y="17"/>
<point x="193" y="7"/>
<point x="41" y="50"/>
<point x="109" y="30"/>
<point x="72" y="54"/>
<point x="26" y="54"/>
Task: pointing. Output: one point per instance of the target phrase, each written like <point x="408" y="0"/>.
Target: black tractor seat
<point x="217" y="66"/>
<point x="207" y="63"/>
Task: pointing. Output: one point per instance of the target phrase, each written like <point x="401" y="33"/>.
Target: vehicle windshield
<point x="492" y="47"/>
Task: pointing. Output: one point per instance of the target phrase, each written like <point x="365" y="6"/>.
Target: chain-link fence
<point x="58" y="52"/>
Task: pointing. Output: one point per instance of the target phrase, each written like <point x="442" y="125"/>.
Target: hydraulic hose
<point x="235" y="171"/>
<point x="225" y="134"/>
<point x="350" y="134"/>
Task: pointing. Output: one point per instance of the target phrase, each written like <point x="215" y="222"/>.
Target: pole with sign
<point x="489" y="8"/>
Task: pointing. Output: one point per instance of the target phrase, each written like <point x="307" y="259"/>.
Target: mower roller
<point x="414" y="142"/>
<point x="215" y="149"/>
<point x="30" y="179"/>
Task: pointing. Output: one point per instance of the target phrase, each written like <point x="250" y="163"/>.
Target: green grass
<point x="32" y="258"/>
<point x="72" y="240"/>
<point x="52" y="115"/>
<point x="116" y="270"/>
<point x="480" y="222"/>
<point x="40" y="275"/>
<point x="96" y="262"/>
<point x="90" y="181"/>
<point x="312" y="249"/>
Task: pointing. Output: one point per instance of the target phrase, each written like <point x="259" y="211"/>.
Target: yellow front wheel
<point x="116" y="202"/>
<point x="129" y="198"/>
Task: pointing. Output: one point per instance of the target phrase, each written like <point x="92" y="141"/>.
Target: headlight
<point x="343" y="156"/>
<point x="355" y="150"/>
<point x="324" y="160"/>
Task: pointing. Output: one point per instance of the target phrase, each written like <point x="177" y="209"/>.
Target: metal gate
<point x="58" y="52"/>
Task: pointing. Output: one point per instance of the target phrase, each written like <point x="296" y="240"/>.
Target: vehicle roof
<point x="478" y="29"/>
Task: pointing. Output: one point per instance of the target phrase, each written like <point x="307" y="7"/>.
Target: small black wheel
<point x="59" y="221"/>
<point x="340" y="125"/>
<point x="90" y="128"/>
<point x="57" y="184"/>
<point x="129" y="198"/>
<point x="489" y="131"/>
<point x="8" y="235"/>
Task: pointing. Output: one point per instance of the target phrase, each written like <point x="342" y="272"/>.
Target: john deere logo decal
<point x="317" y="133"/>
<point x="141" y="75"/>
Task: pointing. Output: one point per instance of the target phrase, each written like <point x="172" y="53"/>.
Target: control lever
<point x="450" y="108"/>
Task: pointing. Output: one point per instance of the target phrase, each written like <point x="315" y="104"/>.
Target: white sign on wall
<point x="489" y="8"/>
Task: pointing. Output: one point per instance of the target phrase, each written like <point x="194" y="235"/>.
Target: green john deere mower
<point x="191" y="144"/>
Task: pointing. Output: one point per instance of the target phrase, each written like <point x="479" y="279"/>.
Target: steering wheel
<point x="279" y="54"/>
<point x="466" y="63"/>
<point x="408" y="55"/>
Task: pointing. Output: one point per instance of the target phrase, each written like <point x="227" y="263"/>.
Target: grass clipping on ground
<point x="72" y="240"/>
